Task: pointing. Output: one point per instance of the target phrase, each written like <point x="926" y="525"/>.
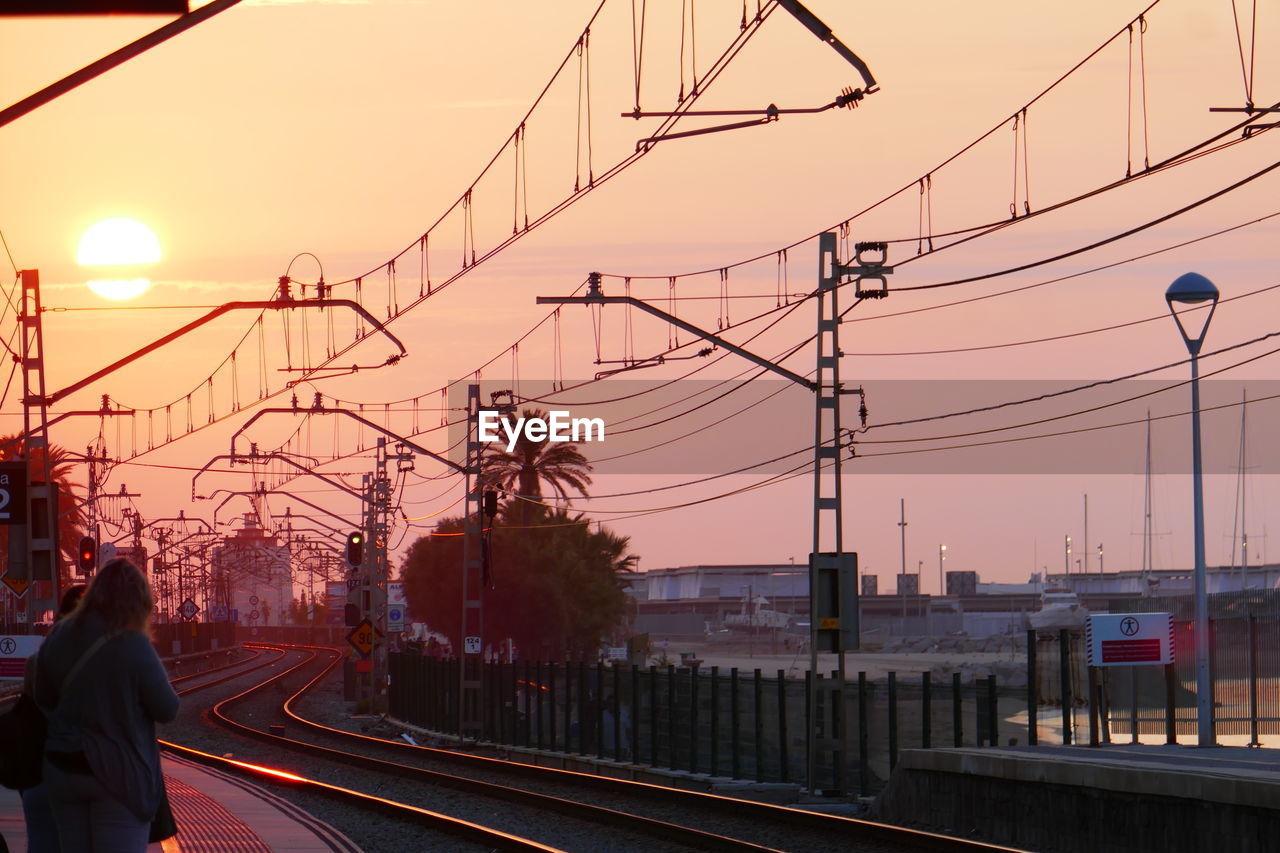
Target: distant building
<point x="1167" y="582"/>
<point x="252" y="577"/>
<point x="962" y="583"/>
<point x="702" y="596"/>
<point x="690" y="600"/>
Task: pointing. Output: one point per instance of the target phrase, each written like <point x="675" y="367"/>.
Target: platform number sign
<point x="361" y="638"/>
<point x="13" y="493"/>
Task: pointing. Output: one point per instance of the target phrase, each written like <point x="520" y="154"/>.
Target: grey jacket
<point x="110" y="710"/>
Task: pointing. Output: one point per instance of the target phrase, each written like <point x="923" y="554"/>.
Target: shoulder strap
<point x="84" y="658"/>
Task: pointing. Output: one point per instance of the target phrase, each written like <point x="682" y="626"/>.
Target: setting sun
<point x="117" y="246"/>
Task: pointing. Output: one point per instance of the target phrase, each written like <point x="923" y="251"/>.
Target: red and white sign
<point x="1129" y="639"/>
<point x="14" y="651"/>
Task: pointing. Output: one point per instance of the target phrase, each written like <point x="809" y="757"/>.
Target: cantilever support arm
<point x="263" y="457"/>
<point x="595" y="299"/>
<point x="823" y="32"/>
<point x="461" y="469"/>
<point x="260" y="305"/>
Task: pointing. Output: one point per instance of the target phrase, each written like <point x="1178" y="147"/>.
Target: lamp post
<point x="1101" y="570"/>
<point x="942" y="555"/>
<point x="1193" y="289"/>
<point x="1066" y="555"/>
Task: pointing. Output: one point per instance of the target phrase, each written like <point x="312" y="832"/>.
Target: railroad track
<point x="553" y="809"/>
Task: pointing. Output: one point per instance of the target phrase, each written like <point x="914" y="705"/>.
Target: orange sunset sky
<point x="346" y="129"/>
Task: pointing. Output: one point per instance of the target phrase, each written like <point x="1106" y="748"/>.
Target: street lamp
<point x="1193" y="289"/>
<point x="942" y="555"/>
<point x="1101" y="570"/>
<point x="1066" y="555"/>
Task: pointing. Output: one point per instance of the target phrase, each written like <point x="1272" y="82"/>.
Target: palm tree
<point x="531" y="464"/>
<point x="71" y="518"/>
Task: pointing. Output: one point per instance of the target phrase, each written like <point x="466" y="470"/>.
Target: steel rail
<point x="851" y="829"/>
<point x="468" y="830"/>
<point x="696" y="838"/>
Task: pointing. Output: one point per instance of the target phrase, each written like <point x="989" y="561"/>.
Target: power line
<point x="1011" y="440"/>
<point x="1073" y="390"/>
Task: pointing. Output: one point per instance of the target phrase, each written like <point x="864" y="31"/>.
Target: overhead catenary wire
<point x="1075" y="389"/>
<point x="1005" y="121"/>
<point x="712" y="73"/>
<point x="1058" y="434"/>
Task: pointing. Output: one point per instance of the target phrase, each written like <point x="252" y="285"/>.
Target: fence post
<point x="1133" y="706"/>
<point x="957" y="721"/>
<point x="1095" y="708"/>
<point x="993" y="709"/>
<point x="926" y="711"/>
<point x="635" y="714"/>
<point x="758" y="697"/>
<point x="893" y="720"/>
<point x="864" y="765"/>
<point x="1064" y="674"/>
<point x="1253" y="681"/>
<point x="551" y="715"/>
<point x="671" y="716"/>
<point x="1033" y="691"/>
<point x="537" y="676"/>
<point x="693" y="719"/>
<point x="735" y="724"/>
<point x="599" y="709"/>
<point x="617" y="711"/>
<point x="1170" y="705"/>
<point x="808" y="722"/>
<point x="584" y="691"/>
<point x="980" y="733"/>
<point x="715" y="720"/>
<point x="435" y="696"/>
<point x="653" y="716"/>
<point x="568" y="706"/>
<point x="515" y="705"/>
<point x="491" y="696"/>
<point x="1213" y="678"/>
<point x="530" y="686"/>
<point x="783" y="759"/>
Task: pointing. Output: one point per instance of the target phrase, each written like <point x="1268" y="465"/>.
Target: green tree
<point x="71" y="518"/>
<point x="531" y="464"/>
<point x="554" y="587"/>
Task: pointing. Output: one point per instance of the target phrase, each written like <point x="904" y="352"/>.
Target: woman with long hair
<point x="42" y="830"/>
<point x="103" y="689"/>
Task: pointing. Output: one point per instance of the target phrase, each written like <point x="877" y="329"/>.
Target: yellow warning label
<point x="829" y="623"/>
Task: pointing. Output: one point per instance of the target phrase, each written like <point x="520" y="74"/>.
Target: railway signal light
<point x="355" y="548"/>
<point x="87" y="558"/>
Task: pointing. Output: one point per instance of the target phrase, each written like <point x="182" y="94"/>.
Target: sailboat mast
<point x="1146" y="513"/>
<point x="1239" y="517"/>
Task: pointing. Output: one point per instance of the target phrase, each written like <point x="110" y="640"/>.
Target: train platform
<point x="215" y="813"/>
<point x="1106" y="799"/>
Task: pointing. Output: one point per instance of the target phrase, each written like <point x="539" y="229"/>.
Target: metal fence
<point x="753" y="725"/>
<point x="740" y="725"/>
